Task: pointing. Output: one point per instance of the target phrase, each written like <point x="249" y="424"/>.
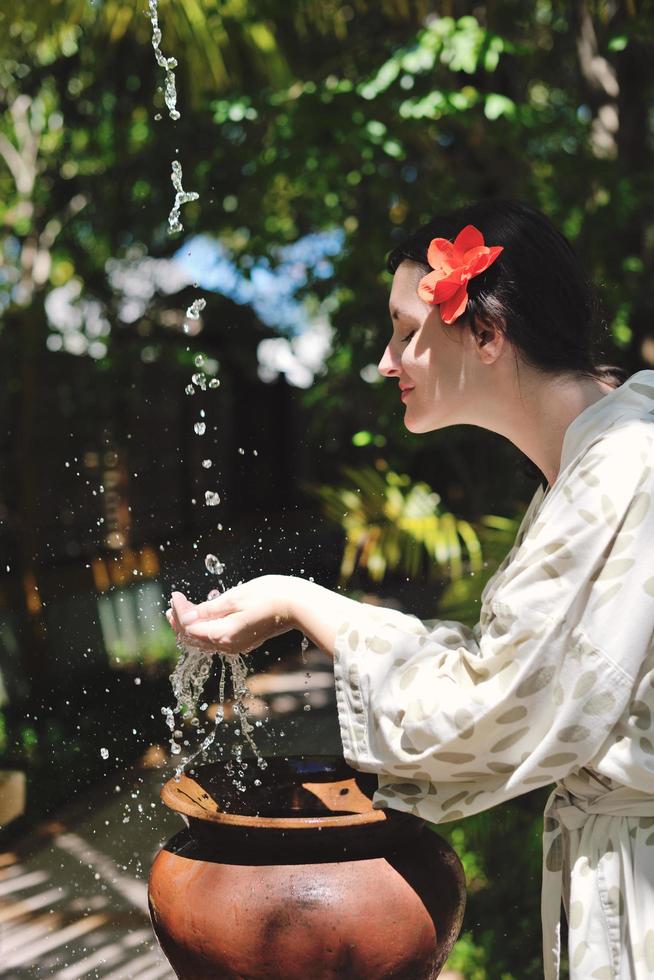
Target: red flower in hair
<point x="454" y="264"/>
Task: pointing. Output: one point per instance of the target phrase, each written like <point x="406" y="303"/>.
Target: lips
<point x="405" y="390"/>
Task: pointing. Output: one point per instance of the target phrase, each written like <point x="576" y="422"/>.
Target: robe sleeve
<point x="455" y="720"/>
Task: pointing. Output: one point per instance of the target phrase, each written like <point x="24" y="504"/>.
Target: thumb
<point x="181" y="605"/>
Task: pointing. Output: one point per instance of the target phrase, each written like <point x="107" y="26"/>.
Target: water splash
<point x="181" y="197"/>
<point x="188" y="680"/>
<point x="168" y="64"/>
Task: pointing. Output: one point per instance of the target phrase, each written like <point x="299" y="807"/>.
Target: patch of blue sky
<point x="271" y="292"/>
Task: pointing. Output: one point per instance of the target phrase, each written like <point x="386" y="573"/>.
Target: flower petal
<point x="427" y="285"/>
<point x="480" y="261"/>
<point x="452" y="309"/>
<point x="469" y="237"/>
<point x="440" y="254"/>
<point x="446" y="288"/>
<point x="471" y="257"/>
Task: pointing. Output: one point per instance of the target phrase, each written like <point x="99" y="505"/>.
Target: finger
<point x="172" y="617"/>
<point x="216" y="608"/>
<point x="183" y="609"/>
<point x="229" y="634"/>
<point x="180" y="604"/>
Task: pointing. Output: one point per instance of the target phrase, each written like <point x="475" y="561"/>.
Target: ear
<point x="489" y="339"/>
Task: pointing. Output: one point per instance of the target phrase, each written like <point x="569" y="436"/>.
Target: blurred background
<point x="317" y="135"/>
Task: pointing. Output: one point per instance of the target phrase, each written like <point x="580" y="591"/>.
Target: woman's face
<point x="433" y="362"/>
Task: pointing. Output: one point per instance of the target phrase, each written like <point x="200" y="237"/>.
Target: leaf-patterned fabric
<point x="555" y="684"/>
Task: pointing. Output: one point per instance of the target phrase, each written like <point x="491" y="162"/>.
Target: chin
<point x="417" y="425"/>
<point x="420" y="425"/>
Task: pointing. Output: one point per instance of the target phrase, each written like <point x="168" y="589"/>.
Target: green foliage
<point x="315" y="115"/>
<point x="501" y="853"/>
<point x="393" y="524"/>
<point x="28" y="741"/>
<point x="151" y="649"/>
<point x="461" y="597"/>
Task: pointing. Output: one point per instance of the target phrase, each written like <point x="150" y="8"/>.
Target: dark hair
<point x="535" y="291"/>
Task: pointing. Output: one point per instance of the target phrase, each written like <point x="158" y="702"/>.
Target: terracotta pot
<point x="301" y="879"/>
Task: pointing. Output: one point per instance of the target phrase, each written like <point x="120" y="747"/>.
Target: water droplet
<point x="200" y="380"/>
<point x="168" y="64"/>
<point x="211" y="498"/>
<point x="194" y="310"/>
<point x="200" y="428"/>
<point x="190" y="390"/>
<point x="104" y="753"/>
<point x="198" y="360"/>
<point x="214" y="383"/>
<point x="241" y="451"/>
<point x="181" y="197"/>
<point x="207" y="463"/>
<point x="213" y="565"/>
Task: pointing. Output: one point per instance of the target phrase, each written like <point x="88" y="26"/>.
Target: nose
<point x="389" y="365"/>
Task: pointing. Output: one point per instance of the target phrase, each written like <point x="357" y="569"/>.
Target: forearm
<point x="318" y="612"/>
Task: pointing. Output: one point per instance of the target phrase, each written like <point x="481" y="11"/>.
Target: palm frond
<point x="393" y="524"/>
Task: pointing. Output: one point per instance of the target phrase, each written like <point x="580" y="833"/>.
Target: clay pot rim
<point x="175" y="801"/>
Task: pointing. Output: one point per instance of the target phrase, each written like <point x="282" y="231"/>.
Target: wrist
<point x="294" y="601"/>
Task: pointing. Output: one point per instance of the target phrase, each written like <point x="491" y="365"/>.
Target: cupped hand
<point x="238" y="620"/>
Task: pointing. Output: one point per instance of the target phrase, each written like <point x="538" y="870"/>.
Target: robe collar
<point x="632" y="400"/>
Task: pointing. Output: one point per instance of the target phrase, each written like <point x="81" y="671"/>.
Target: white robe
<point x="555" y="684"/>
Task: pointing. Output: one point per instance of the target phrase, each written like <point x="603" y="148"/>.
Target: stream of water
<point x="194" y="666"/>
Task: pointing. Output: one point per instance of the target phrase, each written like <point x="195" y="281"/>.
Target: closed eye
<point x="405" y="340"/>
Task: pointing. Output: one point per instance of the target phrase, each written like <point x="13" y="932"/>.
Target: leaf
<point x="618" y="43"/>
<point x="497" y="105"/>
<point x="394" y="524"/>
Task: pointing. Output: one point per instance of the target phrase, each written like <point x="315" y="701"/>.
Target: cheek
<point x="415" y="363"/>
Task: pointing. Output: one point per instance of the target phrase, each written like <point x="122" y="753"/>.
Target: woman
<point x="492" y="323"/>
